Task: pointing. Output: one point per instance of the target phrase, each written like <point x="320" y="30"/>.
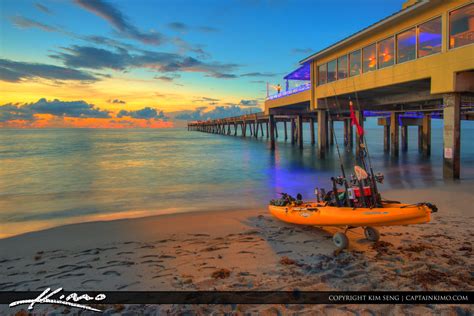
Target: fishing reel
<point x="379" y="177"/>
<point x="338" y="180"/>
<point x="354" y="181"/>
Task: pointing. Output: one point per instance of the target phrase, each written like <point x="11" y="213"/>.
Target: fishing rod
<point x="346" y="187"/>
<point x="376" y="196"/>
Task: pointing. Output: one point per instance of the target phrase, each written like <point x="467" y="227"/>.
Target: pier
<point x="407" y="69"/>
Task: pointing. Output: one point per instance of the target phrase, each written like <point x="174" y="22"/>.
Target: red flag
<point x="360" y="130"/>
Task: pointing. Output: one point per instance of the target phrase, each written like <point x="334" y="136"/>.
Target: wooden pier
<point x="289" y="127"/>
<point x="267" y="126"/>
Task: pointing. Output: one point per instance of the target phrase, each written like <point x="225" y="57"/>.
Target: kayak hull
<point x="316" y="214"/>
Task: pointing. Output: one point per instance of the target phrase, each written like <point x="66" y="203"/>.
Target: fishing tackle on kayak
<point x="353" y="201"/>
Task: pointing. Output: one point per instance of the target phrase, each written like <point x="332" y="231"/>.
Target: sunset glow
<point x="145" y="64"/>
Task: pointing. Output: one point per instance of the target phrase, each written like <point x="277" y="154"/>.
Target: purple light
<point x="302" y="73"/>
<point x="298" y="89"/>
<point x="375" y="113"/>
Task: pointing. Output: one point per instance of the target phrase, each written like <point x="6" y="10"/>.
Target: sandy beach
<point x="250" y="250"/>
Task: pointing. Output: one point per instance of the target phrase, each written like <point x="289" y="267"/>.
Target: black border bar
<point x="258" y="297"/>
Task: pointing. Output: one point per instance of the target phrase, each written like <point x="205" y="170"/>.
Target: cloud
<point x="182" y="27"/>
<point x="120" y="59"/>
<point x="119" y="21"/>
<point x="218" y="112"/>
<point x="93" y="58"/>
<point x="178" y="26"/>
<point x="14" y="71"/>
<point x="43" y="8"/>
<point x="145" y="113"/>
<point x="221" y="75"/>
<point x="248" y="102"/>
<point x="10" y="112"/>
<point x="26" y="23"/>
<point x="185" y="47"/>
<point x="205" y="99"/>
<point x="302" y="50"/>
<point x="117" y="101"/>
<point x="258" y="74"/>
<point x="102" y="40"/>
<point x="78" y="109"/>
<point x="168" y="78"/>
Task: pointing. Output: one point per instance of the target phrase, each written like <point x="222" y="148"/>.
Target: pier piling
<point x="451" y="136"/>
<point x="271" y="122"/>
<point x="426" y="127"/>
<point x="300" y="131"/>
<point x="394" y="137"/>
<point x="311" y="129"/>
<point x="322" y="133"/>
<point x="404" y="138"/>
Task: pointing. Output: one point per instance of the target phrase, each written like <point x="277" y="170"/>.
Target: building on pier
<point x="408" y="68"/>
<point x="420" y="59"/>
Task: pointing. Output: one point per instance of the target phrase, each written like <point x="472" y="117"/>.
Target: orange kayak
<point x="316" y="214"/>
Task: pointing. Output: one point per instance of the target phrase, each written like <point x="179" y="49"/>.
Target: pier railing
<point x="291" y="91"/>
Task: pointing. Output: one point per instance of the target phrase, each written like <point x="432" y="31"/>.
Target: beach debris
<point x="382" y="247"/>
<point x="437" y="236"/>
<point x="287" y="261"/>
<point x="429" y="277"/>
<point x="221" y="273"/>
<point x="38" y="255"/>
<point x="416" y="248"/>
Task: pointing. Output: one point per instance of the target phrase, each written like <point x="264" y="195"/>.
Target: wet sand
<point x="250" y="250"/>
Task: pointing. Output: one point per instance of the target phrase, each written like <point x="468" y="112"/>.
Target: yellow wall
<point x="288" y="100"/>
<point x="441" y="67"/>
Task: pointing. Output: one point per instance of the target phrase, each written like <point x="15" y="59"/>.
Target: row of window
<point x="419" y="41"/>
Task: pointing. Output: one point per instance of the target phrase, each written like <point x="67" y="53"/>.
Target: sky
<point x="156" y="63"/>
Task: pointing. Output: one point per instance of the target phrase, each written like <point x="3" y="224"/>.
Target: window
<point x="406" y="45"/>
<point x="369" y="62"/>
<point x="342" y="67"/>
<point x="322" y="74"/>
<point x="332" y="70"/>
<point x="461" y="26"/>
<point x="354" y="66"/>
<point x="429" y="37"/>
<point x="386" y="49"/>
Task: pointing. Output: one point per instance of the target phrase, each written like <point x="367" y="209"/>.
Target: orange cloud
<point x="51" y="121"/>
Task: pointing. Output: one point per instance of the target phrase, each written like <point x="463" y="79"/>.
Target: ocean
<point x="52" y="177"/>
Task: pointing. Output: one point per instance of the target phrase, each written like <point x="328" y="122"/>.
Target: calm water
<point x="54" y="177"/>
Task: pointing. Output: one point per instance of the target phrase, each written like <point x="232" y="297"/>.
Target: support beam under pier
<point x="386" y="138"/>
<point x="394" y="136"/>
<point x="452" y="136"/>
<point x="311" y="128"/>
<point x="331" y="132"/>
<point x="404" y="138"/>
<point x="271" y="122"/>
<point x="293" y="130"/>
<point x="322" y="133"/>
<point x="426" y="130"/>
<point x="300" y="131"/>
